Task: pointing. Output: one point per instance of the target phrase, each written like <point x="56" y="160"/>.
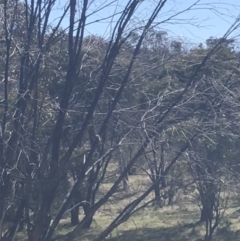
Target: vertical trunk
<point x="157" y="196"/>
<point x="2" y="215"/>
<point x="204" y="212"/>
<point x="122" y="167"/>
<point x="90" y="198"/>
<point x="75" y="207"/>
<point x="210" y="236"/>
<point x="170" y="197"/>
<point x="21" y="222"/>
<point x="41" y="223"/>
<point x="88" y="222"/>
<point x="21" y="226"/>
<point x="40" y="229"/>
<point x="209" y="231"/>
<point x="75" y="215"/>
<point x="208" y="206"/>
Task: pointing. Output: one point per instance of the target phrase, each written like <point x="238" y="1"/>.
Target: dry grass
<point x="176" y="223"/>
<point x="166" y="224"/>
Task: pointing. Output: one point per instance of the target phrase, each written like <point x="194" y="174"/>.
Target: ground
<point x="166" y="224"/>
<point x="176" y="223"/>
<point x="170" y="223"/>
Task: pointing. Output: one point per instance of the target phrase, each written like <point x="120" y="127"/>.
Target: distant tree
<point x="72" y="101"/>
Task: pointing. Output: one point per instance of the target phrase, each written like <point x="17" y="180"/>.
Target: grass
<point x="176" y="223"/>
<point x="166" y="224"/>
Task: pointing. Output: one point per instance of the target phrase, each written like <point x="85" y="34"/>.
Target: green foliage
<point x="70" y="102"/>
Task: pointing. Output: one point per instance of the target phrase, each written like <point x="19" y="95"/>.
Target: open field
<point x="178" y="222"/>
<point x="170" y="223"/>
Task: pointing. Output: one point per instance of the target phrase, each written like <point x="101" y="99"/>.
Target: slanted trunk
<point x="88" y="223"/>
<point x="125" y="184"/>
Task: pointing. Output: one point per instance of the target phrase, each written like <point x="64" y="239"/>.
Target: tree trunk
<point x="170" y="197"/>
<point x="205" y="212"/>
<point x="21" y="226"/>
<point x="125" y="184"/>
<point x="40" y="228"/>
<point x="21" y="222"/>
<point x="208" y="238"/>
<point x="122" y="163"/>
<point x="209" y="231"/>
<point x="74" y="215"/>
<point x="157" y="196"/>
<point x="88" y="223"/>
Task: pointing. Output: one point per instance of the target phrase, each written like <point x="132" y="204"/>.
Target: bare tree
<point x="57" y="109"/>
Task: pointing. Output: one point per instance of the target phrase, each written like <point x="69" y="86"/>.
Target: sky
<point x="207" y="18"/>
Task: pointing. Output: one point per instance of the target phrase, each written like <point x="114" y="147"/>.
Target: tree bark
<point x="122" y="163"/>
<point x="87" y="210"/>
<point x="170" y="197"/>
<point x="157" y="196"/>
<point x="204" y="213"/>
<point x="75" y="215"/>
